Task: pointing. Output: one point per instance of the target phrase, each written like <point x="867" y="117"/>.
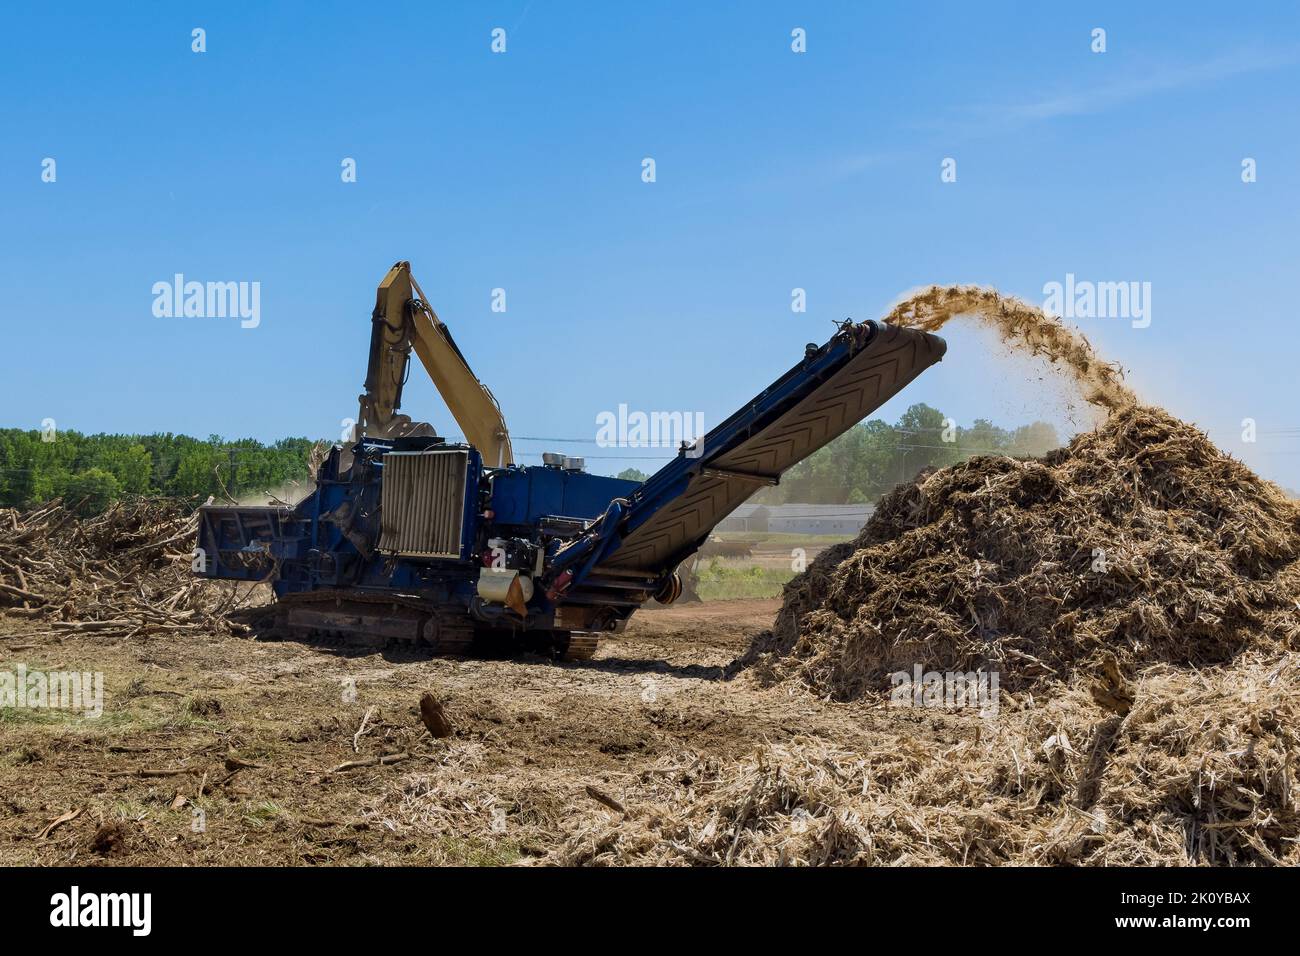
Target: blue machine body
<point x="327" y="541"/>
<point x="522" y="496"/>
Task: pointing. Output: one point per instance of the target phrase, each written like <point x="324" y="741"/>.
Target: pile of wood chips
<point x="1140" y="542"/>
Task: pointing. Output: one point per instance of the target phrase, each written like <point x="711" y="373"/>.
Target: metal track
<point x="357" y="618"/>
<point x="581" y="647"/>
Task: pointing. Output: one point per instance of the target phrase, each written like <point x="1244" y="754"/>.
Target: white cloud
<point x="1132" y="86"/>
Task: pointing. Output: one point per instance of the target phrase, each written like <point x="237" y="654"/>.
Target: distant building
<point x="846" y="520"/>
<point x="745" y="518"/>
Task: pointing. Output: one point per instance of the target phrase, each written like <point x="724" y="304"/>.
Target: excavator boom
<point x="403" y="320"/>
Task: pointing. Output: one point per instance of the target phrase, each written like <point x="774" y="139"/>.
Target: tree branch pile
<point x="121" y="573"/>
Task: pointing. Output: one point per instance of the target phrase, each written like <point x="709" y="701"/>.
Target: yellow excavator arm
<point x="403" y="320"/>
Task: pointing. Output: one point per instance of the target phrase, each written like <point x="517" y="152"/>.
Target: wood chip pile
<point x="1139" y="540"/>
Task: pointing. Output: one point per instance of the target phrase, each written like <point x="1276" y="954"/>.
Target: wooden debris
<point x="371" y="762"/>
<point x="145" y="772"/>
<point x="112" y="574"/>
<point x="434" y="716"/>
<point x="351" y="824"/>
<point x="1138" y="543"/>
<point x="235" y="763"/>
<point x="1111" y="690"/>
<point x="58" y="822"/>
<point x="601" y="797"/>
<point x="361" y="731"/>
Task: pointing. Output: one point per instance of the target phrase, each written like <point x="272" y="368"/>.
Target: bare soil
<point x="248" y="731"/>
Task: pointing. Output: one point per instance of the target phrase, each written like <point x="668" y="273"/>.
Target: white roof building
<point x="798" y="519"/>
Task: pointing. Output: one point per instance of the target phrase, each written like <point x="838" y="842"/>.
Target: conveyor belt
<point x="890" y="359"/>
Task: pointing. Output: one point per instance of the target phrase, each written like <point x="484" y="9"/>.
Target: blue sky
<point x="522" y="171"/>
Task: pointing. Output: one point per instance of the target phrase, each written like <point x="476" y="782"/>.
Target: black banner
<point x="337" y="905"/>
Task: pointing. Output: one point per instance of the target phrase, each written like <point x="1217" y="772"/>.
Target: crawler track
<point x="396" y="622"/>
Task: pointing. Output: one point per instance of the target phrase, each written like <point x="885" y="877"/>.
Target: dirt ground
<point x="221" y="750"/>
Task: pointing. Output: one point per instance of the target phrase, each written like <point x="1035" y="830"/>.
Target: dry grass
<point x="1200" y="771"/>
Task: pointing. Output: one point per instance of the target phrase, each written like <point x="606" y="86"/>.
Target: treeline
<point x="874" y="456"/>
<point x="95" y="470"/>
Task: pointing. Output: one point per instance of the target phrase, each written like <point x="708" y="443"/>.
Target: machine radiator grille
<point x="423" y="503"/>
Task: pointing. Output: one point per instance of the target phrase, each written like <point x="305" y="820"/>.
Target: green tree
<point x="91" y="491"/>
<point x="33" y="470"/>
<point x="924" y="433"/>
<point x="872" y="457"/>
<point x="983" y="438"/>
<point x="1033" y="440"/>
